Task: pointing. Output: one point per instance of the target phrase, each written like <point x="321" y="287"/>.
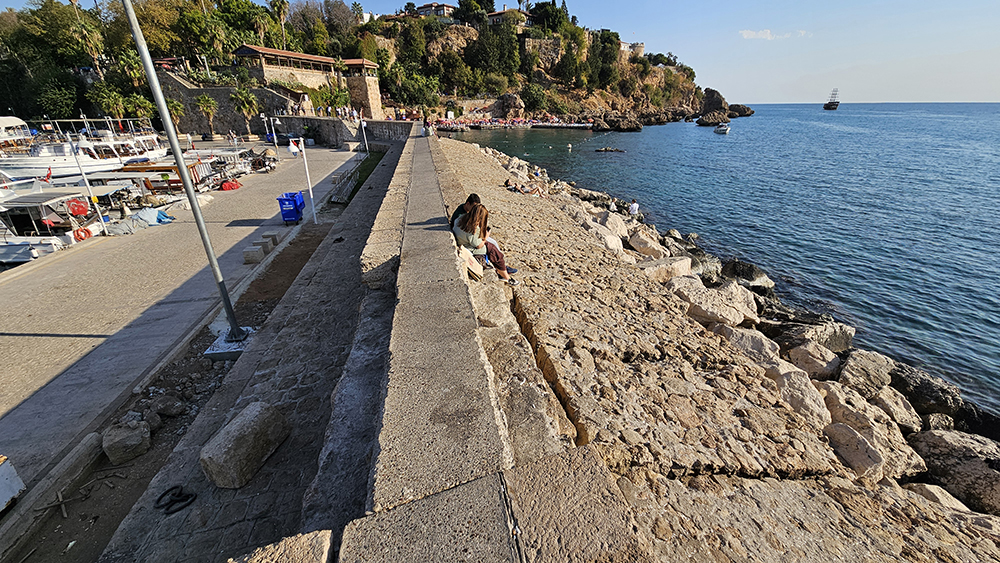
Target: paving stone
<point x="253" y="254"/>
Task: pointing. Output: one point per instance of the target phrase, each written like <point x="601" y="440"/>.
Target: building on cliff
<point x="358" y="76"/>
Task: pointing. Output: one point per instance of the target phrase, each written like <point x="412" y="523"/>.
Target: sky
<point x="797" y="51"/>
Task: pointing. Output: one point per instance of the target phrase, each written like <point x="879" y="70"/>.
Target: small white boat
<point x="51" y="156"/>
<point x="722" y="128"/>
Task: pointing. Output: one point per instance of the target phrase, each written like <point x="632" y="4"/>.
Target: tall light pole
<point x="312" y="202"/>
<point x="274" y="132"/>
<point x="236" y="333"/>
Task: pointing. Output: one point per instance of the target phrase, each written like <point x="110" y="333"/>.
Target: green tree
<point x="130" y="66"/>
<point x="410" y="8"/>
<point x="495" y="83"/>
<point x="246" y="103"/>
<point x="57" y="99"/>
<point x="176" y="109"/>
<point x="548" y="16"/>
<point x="358" y="11"/>
<point x="534" y="97"/>
<point x="208" y="107"/>
<point x="261" y="23"/>
<point x="411" y="45"/>
<point x="280" y="9"/>
<point x="90" y="39"/>
<point x="139" y="105"/>
<point x="108" y="99"/>
<point x="319" y="43"/>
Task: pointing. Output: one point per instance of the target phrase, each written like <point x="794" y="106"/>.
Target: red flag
<point x="49" y="175"/>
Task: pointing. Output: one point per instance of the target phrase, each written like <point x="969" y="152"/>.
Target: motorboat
<point x="722" y="129"/>
<point x="53" y="155"/>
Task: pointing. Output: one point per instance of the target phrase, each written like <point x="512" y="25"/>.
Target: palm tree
<point x="207" y="106"/>
<point x="108" y="98"/>
<point x="280" y="8"/>
<point x="139" y="106"/>
<point x="130" y="65"/>
<point x="90" y="37"/>
<point x="176" y="109"/>
<point x="261" y="21"/>
<point x="246" y="103"/>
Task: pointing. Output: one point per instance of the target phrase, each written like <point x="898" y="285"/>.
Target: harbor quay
<point x="393" y="408"/>
<point x="83" y="327"/>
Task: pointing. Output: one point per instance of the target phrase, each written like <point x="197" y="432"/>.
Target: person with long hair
<point x="471" y="231"/>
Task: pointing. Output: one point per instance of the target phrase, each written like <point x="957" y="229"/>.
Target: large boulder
<point x="856" y="452"/>
<point x="747" y="274"/>
<point x="966" y="465"/>
<point x="509" y="106"/>
<point x="645" y="244"/>
<point x="741" y="299"/>
<point x="898" y="408"/>
<point x="936" y="494"/>
<point x="848" y="407"/>
<point x="126" y="441"/>
<point x="614" y="223"/>
<point x="740" y="110"/>
<point x="666" y="268"/>
<point x="927" y="394"/>
<point x="866" y="372"/>
<point x="712" y="119"/>
<point x="752" y="343"/>
<point x="796" y="389"/>
<point x="708" y="306"/>
<point x="818" y="361"/>
<point x="828" y="333"/>
<point x="713" y="102"/>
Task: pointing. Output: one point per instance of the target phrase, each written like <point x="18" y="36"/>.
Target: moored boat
<point x="52" y="155"/>
<point x="722" y="129"/>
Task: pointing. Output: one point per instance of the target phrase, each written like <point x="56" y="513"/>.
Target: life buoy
<point x="81" y="235"/>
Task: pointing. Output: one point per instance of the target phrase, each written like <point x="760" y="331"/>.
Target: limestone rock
<point x="926" y="393"/>
<point x="313" y="547"/>
<point x="713" y="101"/>
<point x="754" y="344"/>
<point x="856" y="452"/>
<point x="643" y="243"/>
<point x="835" y="336"/>
<point x="848" y="407"/>
<point x="899" y="409"/>
<point x="491" y="304"/>
<point x="666" y="268"/>
<point x="819" y="362"/>
<point x="508" y="106"/>
<point x="796" y="389"/>
<point x="710" y="305"/>
<point x="964" y="464"/>
<point x="152" y="419"/>
<point x="937" y="421"/>
<point x="614" y="223"/>
<point x="866" y="372"/>
<point x="125" y="442"/>
<point x="233" y="456"/>
<point x="740" y="110"/>
<point x="741" y="299"/>
<point x="936" y="494"/>
<point x="714" y="118"/>
<point x="746" y="273"/>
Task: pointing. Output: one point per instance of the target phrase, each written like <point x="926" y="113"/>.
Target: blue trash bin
<point x="291" y="212"/>
<point x="297" y="198"/>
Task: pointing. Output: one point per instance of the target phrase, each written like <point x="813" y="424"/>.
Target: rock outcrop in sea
<point x="738" y="428"/>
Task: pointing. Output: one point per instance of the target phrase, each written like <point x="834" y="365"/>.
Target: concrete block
<point x="274" y="236"/>
<point x="467" y="523"/>
<point x="233" y="456"/>
<point x="265" y="244"/>
<point x="313" y="547"/>
<point x="253" y="255"/>
<point x="10" y="484"/>
<point x="125" y="442"/>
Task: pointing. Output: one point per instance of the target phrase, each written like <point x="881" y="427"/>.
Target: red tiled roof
<point x="246" y="50"/>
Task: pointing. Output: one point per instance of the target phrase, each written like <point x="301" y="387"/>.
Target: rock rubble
<point x="739" y="428"/>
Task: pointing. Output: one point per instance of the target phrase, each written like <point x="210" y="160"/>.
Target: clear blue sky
<point x="776" y="51"/>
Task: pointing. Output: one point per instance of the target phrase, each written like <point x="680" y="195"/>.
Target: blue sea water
<point x="883" y="215"/>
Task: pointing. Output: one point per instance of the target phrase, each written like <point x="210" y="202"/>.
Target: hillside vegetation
<point x="59" y="60"/>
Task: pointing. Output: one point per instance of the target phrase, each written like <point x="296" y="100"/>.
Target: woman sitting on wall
<point x="471" y="231"/>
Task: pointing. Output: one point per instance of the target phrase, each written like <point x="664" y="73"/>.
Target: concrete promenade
<point x="82" y="326"/>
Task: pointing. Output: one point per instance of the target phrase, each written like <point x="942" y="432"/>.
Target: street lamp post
<point x="236" y="332"/>
<point x="312" y="202"/>
<point x="274" y="132"/>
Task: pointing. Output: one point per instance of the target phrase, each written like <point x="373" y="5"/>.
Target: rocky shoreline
<point x="712" y="111"/>
<point x="739" y="428"/>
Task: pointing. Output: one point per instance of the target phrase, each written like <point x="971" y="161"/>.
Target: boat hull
<point x="831" y="106"/>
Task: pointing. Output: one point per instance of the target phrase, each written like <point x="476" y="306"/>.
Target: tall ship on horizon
<point x="833" y="102"/>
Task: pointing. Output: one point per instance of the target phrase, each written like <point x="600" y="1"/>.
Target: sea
<point x="886" y="216"/>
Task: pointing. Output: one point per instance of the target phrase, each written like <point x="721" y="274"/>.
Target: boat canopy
<point x="10" y="121"/>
